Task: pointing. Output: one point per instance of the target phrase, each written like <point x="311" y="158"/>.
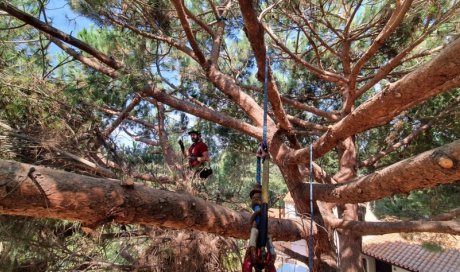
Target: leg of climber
<point x="270" y="262"/>
<point x="247" y="264"/>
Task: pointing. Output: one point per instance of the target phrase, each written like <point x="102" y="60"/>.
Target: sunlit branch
<point x="409" y="138"/>
<point x="379" y="228"/>
<point x="255" y="34"/>
<point x="180" y="9"/>
<point x="59" y="35"/>
<point x="444" y="70"/>
<point x="394" y="21"/>
<point x="205" y="113"/>
<point x="426" y="170"/>
<point x="85" y="60"/>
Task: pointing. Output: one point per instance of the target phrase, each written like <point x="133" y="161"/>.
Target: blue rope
<point x="258" y="170"/>
<point x="265" y="100"/>
<point x="310" y="246"/>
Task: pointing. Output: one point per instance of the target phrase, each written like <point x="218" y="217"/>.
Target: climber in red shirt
<point x="197" y="153"/>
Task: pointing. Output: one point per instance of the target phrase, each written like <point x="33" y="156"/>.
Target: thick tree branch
<point x="444" y="74"/>
<point x="426" y="170"/>
<point x="255" y="34"/>
<point x="378" y="228"/>
<point x="229" y="87"/>
<point x="13" y="11"/>
<point x="85" y="60"/>
<point x="394" y="21"/>
<point x="306" y="124"/>
<point x="204" y="113"/>
<point x="188" y="31"/>
<point x="96" y="201"/>
<point x="408" y="139"/>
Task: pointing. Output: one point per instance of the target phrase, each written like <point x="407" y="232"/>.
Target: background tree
<point x="358" y="80"/>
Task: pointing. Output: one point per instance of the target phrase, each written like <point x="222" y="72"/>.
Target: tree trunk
<point x="349" y="242"/>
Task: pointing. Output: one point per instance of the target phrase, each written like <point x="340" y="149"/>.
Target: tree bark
<point x="43" y="192"/>
<point x="443" y="72"/>
<point x="349" y="241"/>
<point x="379" y="228"/>
<point x="434" y="167"/>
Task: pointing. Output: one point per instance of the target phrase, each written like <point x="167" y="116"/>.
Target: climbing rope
<point x="262" y="176"/>
<point x="310" y="246"/>
<point x="263" y="231"/>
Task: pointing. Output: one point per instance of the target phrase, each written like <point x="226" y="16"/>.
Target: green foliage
<point x="420" y="204"/>
<point x="48" y="245"/>
<point x="433" y="247"/>
<point x="429" y="202"/>
<point x="63" y="105"/>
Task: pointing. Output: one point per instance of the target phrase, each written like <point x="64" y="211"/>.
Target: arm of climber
<point x="254" y="216"/>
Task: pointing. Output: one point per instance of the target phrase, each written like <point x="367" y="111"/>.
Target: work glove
<point x="192" y="159"/>
<point x="262" y="151"/>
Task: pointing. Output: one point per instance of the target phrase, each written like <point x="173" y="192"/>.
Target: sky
<point x="64" y="19"/>
<point x="61" y="16"/>
<point x="289" y="267"/>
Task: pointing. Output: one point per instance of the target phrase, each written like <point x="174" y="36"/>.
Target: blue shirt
<point x="257" y="208"/>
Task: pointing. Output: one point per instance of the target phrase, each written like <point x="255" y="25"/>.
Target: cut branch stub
<point x="444" y="160"/>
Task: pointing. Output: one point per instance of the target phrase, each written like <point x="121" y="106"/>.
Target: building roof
<point x="414" y="257"/>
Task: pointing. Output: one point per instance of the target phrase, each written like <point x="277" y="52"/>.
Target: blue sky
<point x="64" y="19"/>
<point x="288" y="267"/>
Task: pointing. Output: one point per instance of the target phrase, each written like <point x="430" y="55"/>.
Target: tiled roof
<point x="414" y="257"/>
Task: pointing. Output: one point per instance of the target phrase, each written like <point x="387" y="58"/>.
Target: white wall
<point x="398" y="269"/>
<point x="370" y="263"/>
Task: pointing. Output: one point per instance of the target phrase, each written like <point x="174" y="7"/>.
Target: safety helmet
<point x="256" y="189"/>
<point x="194" y="132"/>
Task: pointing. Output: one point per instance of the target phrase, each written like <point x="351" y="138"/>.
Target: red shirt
<point x="197" y="149"/>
